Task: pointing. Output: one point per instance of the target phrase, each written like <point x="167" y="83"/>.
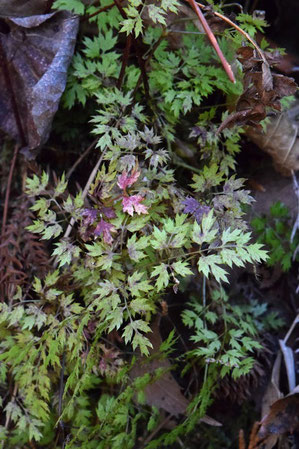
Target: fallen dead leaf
<point x="283" y="417"/>
<point x="273" y="392"/>
<point x="22" y="8"/>
<point x="35" y="51"/>
<point x="262" y="89"/>
<point x="164" y="392"/>
<point x="280" y="139"/>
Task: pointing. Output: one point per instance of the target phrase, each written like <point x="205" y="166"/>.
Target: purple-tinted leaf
<point x="199" y="132"/>
<point x="108" y="212"/>
<point x="90" y="216"/>
<point x="192" y="206"/>
<point x="105" y="228"/>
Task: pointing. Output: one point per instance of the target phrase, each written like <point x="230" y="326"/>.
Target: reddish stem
<point x="140" y="60"/>
<point x="103" y="9"/>
<point x="124" y="60"/>
<point x="147" y="61"/>
<point x="120" y="8"/>
<point x="141" y="64"/>
<point x="213" y="40"/>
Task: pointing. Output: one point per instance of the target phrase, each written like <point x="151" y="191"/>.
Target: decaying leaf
<point x="22" y="8"/>
<point x="163" y="393"/>
<point x="273" y="392"/>
<point x="283" y="417"/>
<point x="262" y="89"/>
<point x="35" y="54"/>
<point x="280" y="139"/>
<point x="289" y="361"/>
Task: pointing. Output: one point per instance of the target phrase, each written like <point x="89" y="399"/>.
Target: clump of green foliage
<point x="136" y="236"/>
<point x="274" y="231"/>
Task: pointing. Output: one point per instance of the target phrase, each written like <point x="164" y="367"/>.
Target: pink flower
<point x="131" y="203"/>
<point x="125" y="181"/>
<point x="105" y="228"/>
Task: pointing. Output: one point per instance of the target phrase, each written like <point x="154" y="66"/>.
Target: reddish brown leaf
<point x="262" y="89"/>
<point x="283" y="417"/>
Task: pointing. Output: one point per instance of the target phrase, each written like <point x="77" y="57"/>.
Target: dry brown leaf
<point x="283" y="417"/>
<point x="262" y="89"/>
<point x="36" y="51"/>
<point x="281" y="140"/>
<point x="163" y="393"/>
<point x="273" y="392"/>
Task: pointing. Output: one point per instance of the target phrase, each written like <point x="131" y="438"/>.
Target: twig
<point x="212" y="39"/>
<point x="79" y="160"/>
<point x="85" y="191"/>
<point x="7" y="194"/>
<point x="228" y="5"/>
